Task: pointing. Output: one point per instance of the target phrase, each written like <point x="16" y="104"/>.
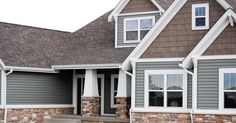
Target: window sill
<point x="162" y="110"/>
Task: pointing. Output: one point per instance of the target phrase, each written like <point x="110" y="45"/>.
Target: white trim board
<point x="40" y="106"/>
<point x="217" y="57"/>
<point x="86" y="66"/>
<point x="121" y="5"/>
<point x="209" y="38"/>
<point x="158" y="59"/>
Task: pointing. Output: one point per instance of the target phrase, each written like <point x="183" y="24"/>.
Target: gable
<point x="134" y="6"/>
<point x="225" y="44"/>
<point x="178" y="38"/>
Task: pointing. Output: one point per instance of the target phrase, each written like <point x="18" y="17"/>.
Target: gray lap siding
<point x="139" y="79"/>
<point x="208" y="81"/>
<point x="39" y="88"/>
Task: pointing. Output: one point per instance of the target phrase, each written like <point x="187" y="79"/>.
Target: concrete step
<point x="89" y="119"/>
<point x="58" y="120"/>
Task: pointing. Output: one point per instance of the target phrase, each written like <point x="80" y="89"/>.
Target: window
<point x="228" y="88"/>
<point x="114" y="87"/>
<point x="165" y="88"/>
<point x="135" y="29"/>
<point x="200" y="16"/>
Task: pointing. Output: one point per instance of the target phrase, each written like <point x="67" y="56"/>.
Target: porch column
<point x="91" y="99"/>
<point x="122" y="96"/>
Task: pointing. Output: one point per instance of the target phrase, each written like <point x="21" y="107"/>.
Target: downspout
<point x="5" y="107"/>
<point x="132" y="86"/>
<point x="192" y="74"/>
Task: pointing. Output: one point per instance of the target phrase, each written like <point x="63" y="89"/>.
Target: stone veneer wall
<point x="91" y="106"/>
<point x="122" y="109"/>
<point x="181" y="118"/>
<point x="34" y="115"/>
<point x="160" y="117"/>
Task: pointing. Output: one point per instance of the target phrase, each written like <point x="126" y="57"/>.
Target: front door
<point x="80" y="87"/>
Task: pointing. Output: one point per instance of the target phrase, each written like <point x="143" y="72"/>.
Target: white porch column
<point x="91" y="84"/>
<point x="122" y="84"/>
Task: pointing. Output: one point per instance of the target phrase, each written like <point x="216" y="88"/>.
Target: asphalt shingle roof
<point x="25" y="46"/>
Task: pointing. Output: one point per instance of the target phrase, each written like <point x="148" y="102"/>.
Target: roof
<point x="24" y="46"/>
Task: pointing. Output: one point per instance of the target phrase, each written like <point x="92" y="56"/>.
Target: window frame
<point x="165" y="72"/>
<point x="222" y="71"/>
<point x="139" y="27"/>
<point x="194" y="6"/>
<point x="113" y="76"/>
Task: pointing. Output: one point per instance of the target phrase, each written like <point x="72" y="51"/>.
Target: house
<point x="146" y="60"/>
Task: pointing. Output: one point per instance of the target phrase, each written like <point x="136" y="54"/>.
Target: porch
<point x="81" y="119"/>
<point x="101" y="94"/>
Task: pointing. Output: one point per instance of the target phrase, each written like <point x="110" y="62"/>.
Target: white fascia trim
<point x="159" y="59"/>
<point x="139" y="13"/>
<point x="39" y="106"/>
<point x="155" y="31"/>
<point x="217" y="57"/>
<point x="132" y="45"/>
<point x="158" y="6"/>
<point x="31" y="69"/>
<point x="86" y="66"/>
<point x="120" y="6"/>
<point x="224" y="4"/>
<point x="209" y="38"/>
<point x="2" y="64"/>
<point x="162" y="110"/>
<point x="214" y="112"/>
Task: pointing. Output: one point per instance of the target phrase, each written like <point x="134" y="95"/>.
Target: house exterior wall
<point x="139" y="6"/>
<point x="178" y="38"/>
<point x="139" y="82"/>
<point x="208" y="81"/>
<point x="39" y="88"/>
<point x="225" y="44"/>
<point x="120" y="30"/>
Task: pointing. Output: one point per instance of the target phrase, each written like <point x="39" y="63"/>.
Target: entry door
<point x="80" y="91"/>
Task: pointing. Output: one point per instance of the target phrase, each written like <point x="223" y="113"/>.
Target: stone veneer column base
<point x="35" y="115"/>
<point x="122" y="109"/>
<point x="91" y="106"/>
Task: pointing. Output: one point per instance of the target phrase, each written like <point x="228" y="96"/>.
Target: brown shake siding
<point x="225" y="44"/>
<point x="139" y="6"/>
<point x="178" y="39"/>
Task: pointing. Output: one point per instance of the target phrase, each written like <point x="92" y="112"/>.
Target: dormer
<point x="133" y="20"/>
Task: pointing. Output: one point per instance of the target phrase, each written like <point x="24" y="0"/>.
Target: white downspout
<point x="5" y="107"/>
<point x="132" y="87"/>
<point x="192" y="74"/>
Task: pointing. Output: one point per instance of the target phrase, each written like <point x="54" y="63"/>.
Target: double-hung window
<point x="200" y="16"/>
<point x="227" y="87"/>
<point x="135" y="29"/>
<point x="165" y="88"/>
<point x="114" y="87"/>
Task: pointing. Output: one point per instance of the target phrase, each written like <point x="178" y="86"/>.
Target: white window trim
<point x="113" y="76"/>
<point x="194" y="27"/>
<point x="136" y="18"/>
<point x="221" y="88"/>
<point x="146" y="89"/>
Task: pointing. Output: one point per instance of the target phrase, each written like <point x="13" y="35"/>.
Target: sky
<point x="63" y="15"/>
